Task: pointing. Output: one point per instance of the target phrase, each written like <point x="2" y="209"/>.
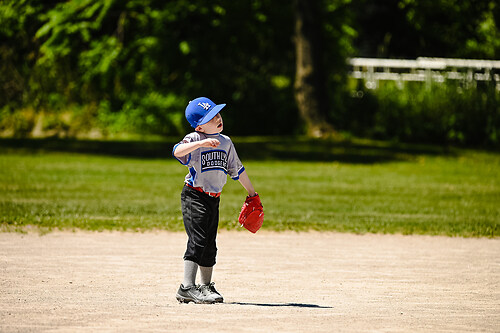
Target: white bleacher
<point x="424" y="69"/>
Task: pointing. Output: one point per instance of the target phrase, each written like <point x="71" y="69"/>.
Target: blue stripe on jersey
<point x="192" y="172"/>
<point x="239" y="173"/>
<point x="173" y="151"/>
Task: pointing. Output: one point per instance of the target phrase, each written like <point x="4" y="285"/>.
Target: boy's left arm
<point x="252" y="213"/>
<point x="247" y="184"/>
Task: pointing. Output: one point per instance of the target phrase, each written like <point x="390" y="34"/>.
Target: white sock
<point x="206" y="274"/>
<point x="190" y="269"/>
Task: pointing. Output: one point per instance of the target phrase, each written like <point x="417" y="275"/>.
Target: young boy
<point x="210" y="156"/>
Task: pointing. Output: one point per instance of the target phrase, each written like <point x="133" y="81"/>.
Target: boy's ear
<point x="199" y="129"/>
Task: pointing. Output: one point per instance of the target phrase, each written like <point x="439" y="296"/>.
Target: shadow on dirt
<point x="249" y="148"/>
<point x="297" y="305"/>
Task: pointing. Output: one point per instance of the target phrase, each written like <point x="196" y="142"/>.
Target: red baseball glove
<point x="252" y="214"/>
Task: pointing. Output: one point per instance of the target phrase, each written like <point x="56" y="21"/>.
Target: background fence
<point x="423" y="69"/>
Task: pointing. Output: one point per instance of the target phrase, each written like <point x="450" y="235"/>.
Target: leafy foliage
<point x="132" y="66"/>
<point x="413" y="28"/>
<point x="441" y="114"/>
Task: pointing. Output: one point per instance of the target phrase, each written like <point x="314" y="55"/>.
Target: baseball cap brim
<point x="210" y="115"/>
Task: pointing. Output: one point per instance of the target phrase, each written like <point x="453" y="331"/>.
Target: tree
<point x="434" y="28"/>
<point x="133" y="65"/>
<point x="309" y="75"/>
<point x="141" y="61"/>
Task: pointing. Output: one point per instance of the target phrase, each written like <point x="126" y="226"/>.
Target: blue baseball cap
<point x="201" y="110"/>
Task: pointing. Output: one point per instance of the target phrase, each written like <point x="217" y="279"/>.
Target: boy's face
<point x="213" y="126"/>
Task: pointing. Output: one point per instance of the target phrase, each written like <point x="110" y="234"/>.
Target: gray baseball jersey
<point x="208" y="166"/>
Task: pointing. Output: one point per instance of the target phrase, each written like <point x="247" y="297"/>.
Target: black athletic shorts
<point x="201" y="219"/>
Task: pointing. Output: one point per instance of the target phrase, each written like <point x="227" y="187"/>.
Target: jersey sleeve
<point x="184" y="160"/>
<point x="234" y="165"/>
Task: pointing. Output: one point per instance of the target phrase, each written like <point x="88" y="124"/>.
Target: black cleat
<point x="193" y="294"/>
<point x="211" y="293"/>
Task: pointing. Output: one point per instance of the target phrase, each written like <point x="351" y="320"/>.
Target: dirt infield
<point x="285" y="282"/>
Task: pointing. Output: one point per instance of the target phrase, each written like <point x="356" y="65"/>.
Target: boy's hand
<point x="210" y="143"/>
<point x="252" y="214"/>
<point x="186" y="148"/>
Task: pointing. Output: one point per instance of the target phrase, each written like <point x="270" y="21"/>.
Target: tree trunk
<point x="309" y="80"/>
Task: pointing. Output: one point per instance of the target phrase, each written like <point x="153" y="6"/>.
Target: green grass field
<point x="360" y="187"/>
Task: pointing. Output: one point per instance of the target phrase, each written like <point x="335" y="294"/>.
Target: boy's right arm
<point x="185" y="148"/>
